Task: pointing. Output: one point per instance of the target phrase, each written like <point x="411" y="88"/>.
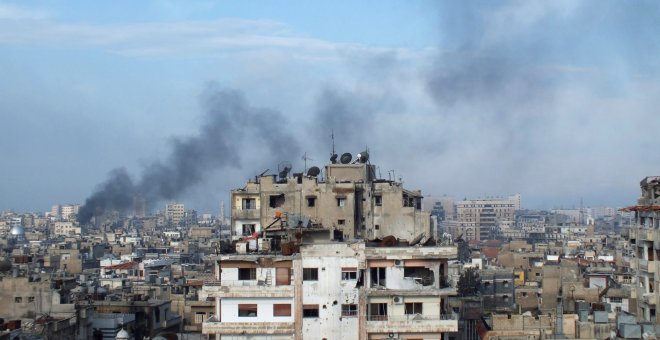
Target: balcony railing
<point x="410" y="317"/>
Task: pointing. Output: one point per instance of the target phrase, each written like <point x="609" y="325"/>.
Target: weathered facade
<point x="350" y="203"/>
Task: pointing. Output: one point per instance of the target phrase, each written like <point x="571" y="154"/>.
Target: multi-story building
<point x="481" y="217"/>
<point x="174" y="213"/>
<point x="338" y="290"/>
<point x="644" y="237"/>
<point x="350" y="203"/>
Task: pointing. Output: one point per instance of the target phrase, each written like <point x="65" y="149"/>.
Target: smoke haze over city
<point x="185" y="101"/>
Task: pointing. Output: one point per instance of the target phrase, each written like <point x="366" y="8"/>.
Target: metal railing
<point x="411" y="317"/>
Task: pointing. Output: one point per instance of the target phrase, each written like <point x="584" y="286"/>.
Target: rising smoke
<point x="229" y="123"/>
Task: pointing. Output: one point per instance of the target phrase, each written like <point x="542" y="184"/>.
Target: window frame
<point x="310" y="274"/>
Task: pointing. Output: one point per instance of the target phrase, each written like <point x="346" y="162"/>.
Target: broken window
<point x="276" y="201"/>
<point x="311" y="201"/>
<point x="349" y="310"/>
<point x="421" y="275"/>
<point x="281" y="309"/>
<point x="249" y="229"/>
<point x="378" y="311"/>
<point x="341" y="222"/>
<point x="247" y="274"/>
<point x="413" y="308"/>
<point x="18" y="299"/>
<point x="378" y="200"/>
<point x="377" y="276"/>
<point x="349" y="274"/>
<point x="310" y="274"/>
<point x="310" y="311"/>
<point x="247" y="310"/>
<point x="249" y="203"/>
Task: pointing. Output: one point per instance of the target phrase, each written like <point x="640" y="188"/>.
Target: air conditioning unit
<point x="398" y="263"/>
<point x="397" y="300"/>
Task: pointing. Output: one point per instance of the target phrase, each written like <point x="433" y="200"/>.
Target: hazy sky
<point x="556" y="100"/>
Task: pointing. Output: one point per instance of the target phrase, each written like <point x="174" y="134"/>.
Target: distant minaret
<point x="222" y="211"/>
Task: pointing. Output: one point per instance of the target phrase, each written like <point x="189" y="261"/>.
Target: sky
<point x="186" y="100"/>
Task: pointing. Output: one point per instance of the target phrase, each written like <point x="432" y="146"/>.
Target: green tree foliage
<point x="468" y="283"/>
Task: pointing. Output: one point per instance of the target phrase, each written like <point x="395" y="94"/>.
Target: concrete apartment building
<point x="350" y="203"/>
<point x="478" y="219"/>
<point x="174" y="213"/>
<point x="644" y="238"/>
<point x="337" y="290"/>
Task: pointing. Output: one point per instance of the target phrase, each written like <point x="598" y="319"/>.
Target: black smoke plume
<point x="229" y="124"/>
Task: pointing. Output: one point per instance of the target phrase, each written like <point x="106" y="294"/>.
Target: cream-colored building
<point x="333" y="290"/>
<point x="644" y="238"/>
<point x="480" y="217"/>
<point x="349" y="203"/>
<point x="174" y="212"/>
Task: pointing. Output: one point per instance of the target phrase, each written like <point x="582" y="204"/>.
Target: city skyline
<point x="546" y="99"/>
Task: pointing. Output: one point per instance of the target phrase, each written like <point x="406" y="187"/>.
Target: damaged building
<point x="350" y="202"/>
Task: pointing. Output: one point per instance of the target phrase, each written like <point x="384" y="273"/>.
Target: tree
<point x="469" y="282"/>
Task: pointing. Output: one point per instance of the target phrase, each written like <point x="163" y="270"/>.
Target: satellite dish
<point x="346" y="158"/>
<point x="313" y="171"/>
<point x="363" y="157"/>
<point x="284" y="168"/>
<point x="333" y="158"/>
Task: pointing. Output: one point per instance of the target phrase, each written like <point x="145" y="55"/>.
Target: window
<point x="18" y="299"/>
<point x="247" y="273"/>
<point x="310" y="274"/>
<point x="377" y="312"/>
<point x="349" y="310"/>
<point x="377" y="276"/>
<point x="378" y="200"/>
<point x="276" y="201"/>
<point x="199" y="317"/>
<point x="311" y="201"/>
<point x="341" y="222"/>
<point x="248" y="204"/>
<point x="616" y="300"/>
<point x="281" y="309"/>
<point x="524" y="294"/>
<point x="349" y="274"/>
<point x="30" y="298"/>
<point x="377" y="226"/>
<point x="247" y="310"/>
<point x="310" y="311"/>
<point x="413" y="308"/>
<point x="249" y="229"/>
<point x="506" y="283"/>
<point x="341" y="201"/>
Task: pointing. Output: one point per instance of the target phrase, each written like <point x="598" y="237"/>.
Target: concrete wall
<point x="229" y="309"/>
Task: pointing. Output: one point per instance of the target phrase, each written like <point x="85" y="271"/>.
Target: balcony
<point x="214" y="326"/>
<point x="246" y="288"/>
<point x="245" y="214"/>
<point x="649" y="299"/>
<point x="416" y="323"/>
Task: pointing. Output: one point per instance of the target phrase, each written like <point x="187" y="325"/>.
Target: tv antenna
<point x="305" y="158"/>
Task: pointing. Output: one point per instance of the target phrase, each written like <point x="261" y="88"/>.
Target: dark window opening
<point x="276" y="201"/>
<point x="249" y="229"/>
<point x="311" y="201"/>
<point x="421" y="275"/>
<point x="349" y="310"/>
<point x="247" y="273"/>
<point x="249" y="203"/>
<point x="378" y="311"/>
<point x="310" y="274"/>
<point x="349" y="273"/>
<point x="341" y="222"/>
<point x="377" y="276"/>
<point x="310" y="311"/>
<point x="378" y="200"/>
<point x="413" y="308"/>
<point x="341" y="201"/>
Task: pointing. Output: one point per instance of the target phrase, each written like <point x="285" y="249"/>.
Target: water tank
<point x="252" y="245"/>
<point x="264" y="244"/>
<point x="241" y="247"/>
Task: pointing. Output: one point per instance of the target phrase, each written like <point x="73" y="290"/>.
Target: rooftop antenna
<point x="332" y="135"/>
<point x="305" y="158"/>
